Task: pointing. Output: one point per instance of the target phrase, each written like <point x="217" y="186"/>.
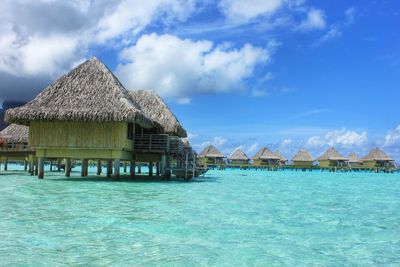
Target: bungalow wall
<point x="265" y="162"/>
<point x="302" y="164"/>
<point x="82" y="139"/>
<point x="332" y="163"/>
<point x="239" y="162"/>
<point x="377" y="164"/>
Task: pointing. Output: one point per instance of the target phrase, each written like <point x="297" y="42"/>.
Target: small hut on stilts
<point x="14" y="145"/>
<point x="355" y="163"/>
<point x="239" y="159"/>
<point x="266" y="159"/>
<point x="302" y="160"/>
<point x="333" y="160"/>
<point x="211" y="157"/>
<point x="86" y="114"/>
<point x="282" y="159"/>
<point x="377" y="160"/>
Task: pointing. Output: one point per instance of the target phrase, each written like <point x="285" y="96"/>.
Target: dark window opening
<point x="131" y="131"/>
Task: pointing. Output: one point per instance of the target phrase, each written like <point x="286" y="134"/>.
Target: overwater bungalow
<point x="355" y="162"/>
<point x="159" y="145"/>
<point x="14" y="144"/>
<point x="265" y="158"/>
<point x="239" y="159"/>
<point x="282" y="159"/>
<point x="211" y="157"/>
<point x="302" y="160"/>
<point x="377" y="159"/>
<point x="86" y="114"/>
<point x="332" y="159"/>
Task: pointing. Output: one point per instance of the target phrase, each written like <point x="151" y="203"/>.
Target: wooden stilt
<point x="51" y="165"/>
<point x="157" y="168"/>
<point x="150" y="168"/>
<point x="109" y="168"/>
<point x="163" y="165"/>
<point x="36" y="168"/>
<point x="125" y="166"/>
<point x="132" y="168"/>
<point x="99" y="167"/>
<point x="25" y="165"/>
<point x="41" y="168"/>
<point x="139" y="168"/>
<point x="67" y="167"/>
<point x="6" y="164"/>
<point x="86" y="170"/>
<point x="58" y="165"/>
<point x="82" y="168"/>
<point x="117" y="167"/>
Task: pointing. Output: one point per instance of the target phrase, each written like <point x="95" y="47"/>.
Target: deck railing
<point x="11" y="146"/>
<point x="159" y="143"/>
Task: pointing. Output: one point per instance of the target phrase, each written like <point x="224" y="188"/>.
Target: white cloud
<point x="286" y="142"/>
<point x="179" y="68"/>
<point x="244" y="10"/>
<point x="315" y="20"/>
<point x="341" y="137"/>
<point x="252" y="149"/>
<point x="392" y="138"/>
<point x="130" y="17"/>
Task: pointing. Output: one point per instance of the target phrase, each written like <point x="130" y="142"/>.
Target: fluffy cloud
<point x="179" y="68"/>
<point x="42" y="39"/>
<point x="392" y="138"/>
<point x="341" y="137"/>
<point x="244" y="10"/>
<point x="315" y="20"/>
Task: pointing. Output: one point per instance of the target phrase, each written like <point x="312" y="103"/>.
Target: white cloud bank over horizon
<point x="178" y="68"/>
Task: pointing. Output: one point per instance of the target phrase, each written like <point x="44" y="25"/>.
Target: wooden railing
<point x="10" y="146"/>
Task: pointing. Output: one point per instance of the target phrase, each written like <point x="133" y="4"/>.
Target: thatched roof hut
<point x="15" y="133"/>
<point x="89" y="92"/>
<point x="239" y="155"/>
<point x="353" y="158"/>
<point x="265" y="153"/>
<point x="303" y="155"/>
<point x="156" y="109"/>
<point x="211" y="152"/>
<point x="332" y="154"/>
<point x="377" y="155"/>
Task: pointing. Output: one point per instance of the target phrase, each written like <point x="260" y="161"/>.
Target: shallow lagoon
<point x="228" y="218"/>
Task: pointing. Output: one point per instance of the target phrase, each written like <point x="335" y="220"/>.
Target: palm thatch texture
<point x="332" y="154"/>
<point x="303" y="155"/>
<point x="280" y="155"/>
<point x="156" y="109"/>
<point x="265" y="154"/>
<point x="15" y="133"/>
<point x="353" y="158"/>
<point x="377" y="155"/>
<point x="211" y="152"/>
<point x="239" y="155"/>
<point x="90" y="92"/>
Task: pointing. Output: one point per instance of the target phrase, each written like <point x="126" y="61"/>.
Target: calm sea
<point x="227" y="218"/>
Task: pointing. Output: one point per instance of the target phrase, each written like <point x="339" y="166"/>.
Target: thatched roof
<point x="89" y="92"/>
<point x="302" y="155"/>
<point x="155" y="108"/>
<point x="265" y="153"/>
<point x="280" y="155"/>
<point x="332" y="154"/>
<point x="377" y="154"/>
<point x="353" y="158"/>
<point x="239" y="155"/>
<point x="211" y="152"/>
<point x="15" y="133"/>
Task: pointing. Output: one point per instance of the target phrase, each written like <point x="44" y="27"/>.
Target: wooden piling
<point x="67" y="167"/>
<point x="41" y="168"/>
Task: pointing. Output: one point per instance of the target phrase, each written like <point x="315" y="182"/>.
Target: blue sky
<point x="287" y="74"/>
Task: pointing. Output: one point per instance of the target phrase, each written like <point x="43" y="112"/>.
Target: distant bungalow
<point x="14" y="144"/>
<point x="302" y="160"/>
<point x="376" y="158"/>
<point x="355" y="161"/>
<point x="331" y="158"/>
<point x="239" y="158"/>
<point x="265" y="157"/>
<point x="211" y="156"/>
<point x="86" y="114"/>
<point x="282" y="158"/>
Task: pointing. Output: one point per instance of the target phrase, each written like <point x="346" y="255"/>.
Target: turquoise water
<point x="228" y="218"/>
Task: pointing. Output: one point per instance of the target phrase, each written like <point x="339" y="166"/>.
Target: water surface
<point x="228" y="218"/>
